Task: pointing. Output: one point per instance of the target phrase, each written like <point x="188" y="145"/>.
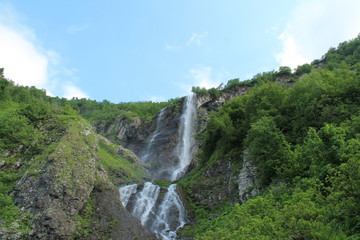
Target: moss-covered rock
<point x="64" y="196"/>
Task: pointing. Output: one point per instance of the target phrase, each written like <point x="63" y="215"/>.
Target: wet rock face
<point x="113" y="221"/>
<point x="160" y="153"/>
<point x="158" y="208"/>
<point x="134" y="135"/>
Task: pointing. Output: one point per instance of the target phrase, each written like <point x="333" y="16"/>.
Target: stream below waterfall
<point x="159" y="209"/>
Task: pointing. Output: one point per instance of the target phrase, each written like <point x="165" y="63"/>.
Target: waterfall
<point x="148" y="151"/>
<point x="186" y="139"/>
<point x="126" y="192"/>
<point x="161" y="210"/>
<point x="161" y="214"/>
<point x="171" y="214"/>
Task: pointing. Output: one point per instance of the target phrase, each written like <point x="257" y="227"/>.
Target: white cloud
<point x="22" y="61"/>
<point x="77" y="28"/>
<point x="172" y="47"/>
<point x="157" y="99"/>
<point x="71" y="91"/>
<point x="27" y="63"/>
<point x="315" y="26"/>
<point x="197" y="39"/>
<point x="204" y="77"/>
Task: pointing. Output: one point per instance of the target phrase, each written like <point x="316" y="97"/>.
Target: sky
<point x="155" y="50"/>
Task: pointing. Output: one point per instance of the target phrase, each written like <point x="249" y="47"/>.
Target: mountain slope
<point x="300" y="134"/>
<point x="57" y="174"/>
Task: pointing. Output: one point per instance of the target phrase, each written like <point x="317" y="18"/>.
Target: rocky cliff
<point x="216" y="183"/>
<point x="67" y="192"/>
<point x="136" y="136"/>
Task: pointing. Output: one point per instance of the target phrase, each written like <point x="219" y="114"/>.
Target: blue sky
<point x="156" y="49"/>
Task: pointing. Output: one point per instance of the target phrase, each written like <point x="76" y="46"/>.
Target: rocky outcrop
<point x="247" y="180"/>
<point x="213" y="104"/>
<point x="135" y="135"/>
<point x="159" y="149"/>
<point x="106" y="222"/>
<point x="205" y="106"/>
<point x="59" y="185"/>
<point x="123" y="129"/>
<point x="215" y="184"/>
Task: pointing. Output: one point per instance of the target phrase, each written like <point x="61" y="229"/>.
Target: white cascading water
<point x="146" y="153"/>
<point x="163" y="214"/>
<point x="145" y="202"/>
<point x="171" y="214"/>
<point x="126" y="192"/>
<point x="163" y="219"/>
<point x="186" y="139"/>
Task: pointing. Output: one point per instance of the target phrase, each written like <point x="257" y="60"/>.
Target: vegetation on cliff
<point x="300" y="129"/>
<point x="51" y="163"/>
<point x="302" y="132"/>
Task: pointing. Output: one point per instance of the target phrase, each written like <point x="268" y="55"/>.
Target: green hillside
<point x="54" y="166"/>
<point x="302" y="132"/>
<point x="300" y="129"/>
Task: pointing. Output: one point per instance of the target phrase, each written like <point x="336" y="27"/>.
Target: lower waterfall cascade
<point x="158" y="209"/>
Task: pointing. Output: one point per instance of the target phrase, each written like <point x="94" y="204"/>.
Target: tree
<point x="268" y="148"/>
<point x="303" y="69"/>
<point x="283" y="71"/>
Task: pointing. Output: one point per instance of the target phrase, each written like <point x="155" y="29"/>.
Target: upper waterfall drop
<point x="186" y="137"/>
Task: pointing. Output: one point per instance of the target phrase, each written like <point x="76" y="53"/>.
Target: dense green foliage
<point x="35" y="130"/>
<point x="300" y="128"/>
<point x="304" y="139"/>
<point x="106" y="111"/>
<point x="26" y="122"/>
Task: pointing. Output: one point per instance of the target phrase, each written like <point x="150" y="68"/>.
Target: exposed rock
<point x="124" y="128"/>
<point x="206" y="105"/>
<point x="62" y="187"/>
<point x="112" y="221"/>
<point x="164" y="157"/>
<point x="56" y="193"/>
<point x="215" y="184"/>
<point x="247" y="180"/>
<point x="205" y="101"/>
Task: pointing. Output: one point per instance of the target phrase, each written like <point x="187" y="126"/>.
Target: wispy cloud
<point x="197" y="39"/>
<point x="27" y="63"/>
<point x="314" y="27"/>
<point x="157" y="99"/>
<point x="71" y="91"/>
<point x="77" y="28"/>
<point x="204" y="77"/>
<point x="172" y="47"/>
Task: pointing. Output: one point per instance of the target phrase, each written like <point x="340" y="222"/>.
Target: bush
<point x="303" y="69"/>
